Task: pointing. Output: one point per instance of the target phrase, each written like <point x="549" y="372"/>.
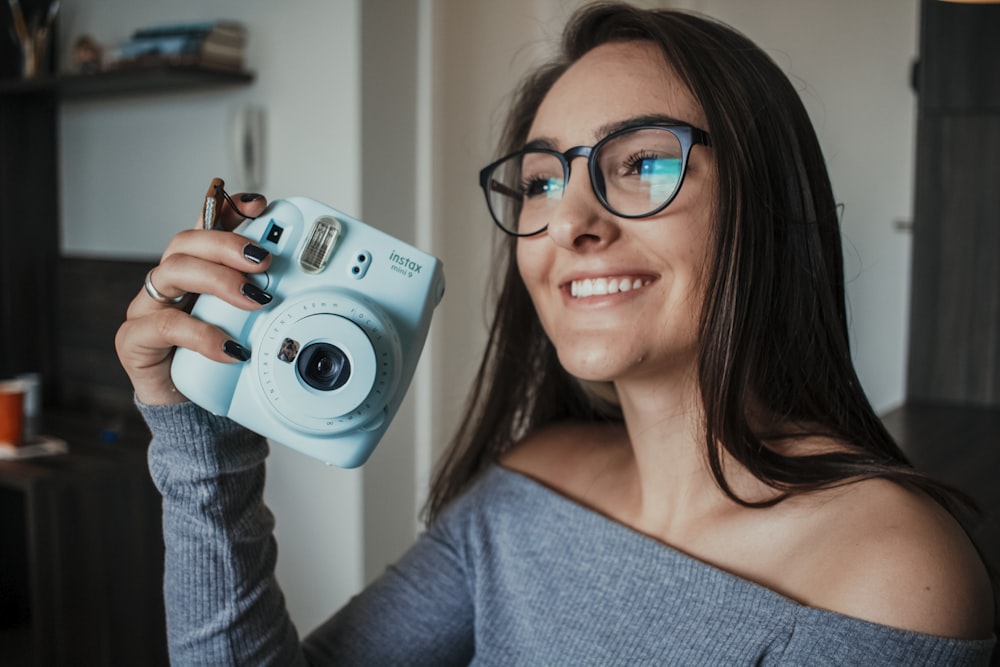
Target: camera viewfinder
<point x="274" y="233"/>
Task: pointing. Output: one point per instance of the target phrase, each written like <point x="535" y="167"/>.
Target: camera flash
<point x="318" y="247"/>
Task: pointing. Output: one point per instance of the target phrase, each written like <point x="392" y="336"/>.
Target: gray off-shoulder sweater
<point x="511" y="574"/>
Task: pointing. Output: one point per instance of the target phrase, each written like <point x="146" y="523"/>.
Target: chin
<point x="594" y="364"/>
<point x="604" y="363"/>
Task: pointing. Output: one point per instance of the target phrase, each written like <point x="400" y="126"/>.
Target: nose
<point x="579" y="222"/>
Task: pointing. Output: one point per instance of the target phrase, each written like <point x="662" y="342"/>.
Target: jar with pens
<point x="31" y="24"/>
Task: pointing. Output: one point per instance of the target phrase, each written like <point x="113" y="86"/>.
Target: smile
<point x="604" y="286"/>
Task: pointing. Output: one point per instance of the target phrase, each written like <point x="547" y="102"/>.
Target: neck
<point x="674" y="489"/>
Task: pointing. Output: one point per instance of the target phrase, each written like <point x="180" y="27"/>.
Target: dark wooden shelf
<point x="133" y="81"/>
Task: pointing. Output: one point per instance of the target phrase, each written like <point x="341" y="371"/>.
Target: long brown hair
<point x="773" y="331"/>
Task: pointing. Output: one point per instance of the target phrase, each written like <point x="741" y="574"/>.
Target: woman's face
<point x="651" y="328"/>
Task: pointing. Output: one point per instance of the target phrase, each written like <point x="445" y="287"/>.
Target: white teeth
<point x="602" y="286"/>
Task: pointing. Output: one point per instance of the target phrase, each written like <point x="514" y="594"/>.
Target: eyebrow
<point x="610" y="128"/>
<point x="635" y="121"/>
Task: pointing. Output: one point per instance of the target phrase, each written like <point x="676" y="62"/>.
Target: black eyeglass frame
<point x="687" y="135"/>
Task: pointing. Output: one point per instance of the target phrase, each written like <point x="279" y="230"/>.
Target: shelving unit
<point x="136" y="81"/>
<point x="29" y="197"/>
<point x="80" y="538"/>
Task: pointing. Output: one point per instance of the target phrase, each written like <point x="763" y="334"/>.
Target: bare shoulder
<point x="894" y="556"/>
<point x="566" y="455"/>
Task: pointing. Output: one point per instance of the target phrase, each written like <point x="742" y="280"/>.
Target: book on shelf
<point x="228" y="28"/>
<point x="211" y="44"/>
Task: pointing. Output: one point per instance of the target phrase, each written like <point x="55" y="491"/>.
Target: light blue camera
<point x="333" y="353"/>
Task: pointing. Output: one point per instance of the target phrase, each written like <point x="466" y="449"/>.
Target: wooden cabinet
<point x="81" y="554"/>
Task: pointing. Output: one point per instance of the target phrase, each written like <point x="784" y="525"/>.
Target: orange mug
<point x="12" y="412"/>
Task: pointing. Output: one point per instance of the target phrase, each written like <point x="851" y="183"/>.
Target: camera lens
<point x="324" y="366"/>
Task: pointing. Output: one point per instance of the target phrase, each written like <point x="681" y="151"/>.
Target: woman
<point x="668" y="457"/>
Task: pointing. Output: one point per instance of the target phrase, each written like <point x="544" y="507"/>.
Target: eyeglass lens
<point x="635" y="173"/>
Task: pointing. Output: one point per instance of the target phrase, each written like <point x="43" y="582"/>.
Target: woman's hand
<point x="195" y="262"/>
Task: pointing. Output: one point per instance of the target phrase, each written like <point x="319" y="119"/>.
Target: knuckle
<point x="204" y="338"/>
<point x="171" y="261"/>
<point x="166" y="324"/>
<point x="179" y="241"/>
<point x="177" y="328"/>
<point x="185" y="237"/>
<point x="121" y="337"/>
<point x="134" y="307"/>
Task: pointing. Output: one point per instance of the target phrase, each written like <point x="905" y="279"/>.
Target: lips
<point x="586" y="287"/>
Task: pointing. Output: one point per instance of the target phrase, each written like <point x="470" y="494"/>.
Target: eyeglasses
<point x="635" y="173"/>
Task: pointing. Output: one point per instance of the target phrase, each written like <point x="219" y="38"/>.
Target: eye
<point x="541" y="186"/>
<point x="647" y="164"/>
<point x="541" y="176"/>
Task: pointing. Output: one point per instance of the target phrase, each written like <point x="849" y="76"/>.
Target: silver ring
<point x="156" y="295"/>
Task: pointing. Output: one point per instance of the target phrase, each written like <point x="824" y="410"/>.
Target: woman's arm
<point x="224" y="606"/>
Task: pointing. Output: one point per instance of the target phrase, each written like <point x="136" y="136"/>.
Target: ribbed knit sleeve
<point x="418" y="613"/>
<point x="223" y="604"/>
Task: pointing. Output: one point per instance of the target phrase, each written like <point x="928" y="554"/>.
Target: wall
<point x="392" y="174"/>
<point x="481" y="49"/>
<point x="134" y="171"/>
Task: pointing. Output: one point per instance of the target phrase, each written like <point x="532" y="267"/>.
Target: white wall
<point x="481" y="49"/>
<point x="392" y="172"/>
<point x="134" y="170"/>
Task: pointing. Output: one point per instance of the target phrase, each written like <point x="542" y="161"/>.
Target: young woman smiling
<point x="667" y="458"/>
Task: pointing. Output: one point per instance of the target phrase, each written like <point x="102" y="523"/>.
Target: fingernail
<point x="255" y="293"/>
<point x="249" y="197"/>
<point x="236" y="351"/>
<point x="255" y="253"/>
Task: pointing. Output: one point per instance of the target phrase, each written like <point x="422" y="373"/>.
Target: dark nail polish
<point x="255" y="293"/>
<point x="255" y="253"/>
<point x="249" y="197"/>
<point x="236" y="351"/>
